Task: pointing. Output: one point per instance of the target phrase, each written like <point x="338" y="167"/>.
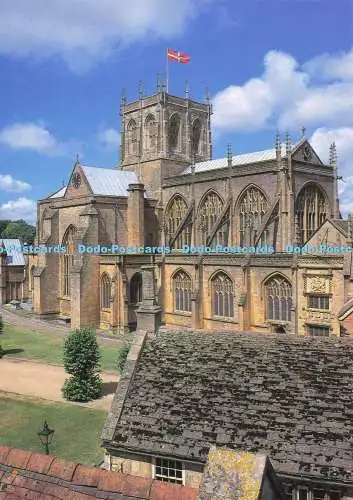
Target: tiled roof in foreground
<point x="34" y="476"/>
<point x="289" y="397"/>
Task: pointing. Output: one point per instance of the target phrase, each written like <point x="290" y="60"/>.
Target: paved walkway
<point x="28" y="378"/>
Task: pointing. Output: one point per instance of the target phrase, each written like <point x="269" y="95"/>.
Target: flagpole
<point x="167" y="72"/>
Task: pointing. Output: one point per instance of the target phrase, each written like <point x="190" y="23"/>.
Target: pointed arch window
<point x="176" y="212"/>
<point x="105" y="291"/>
<point x="174" y="134"/>
<point x="67" y="260"/>
<point x="311" y="212"/>
<point x="210" y="211"/>
<point x="136" y="289"/>
<point x="196" y="137"/>
<point x="222" y="296"/>
<point x="252" y="209"/>
<point x="131" y="138"/>
<point x="278" y="292"/>
<point x="150" y="133"/>
<point x="182" y="287"/>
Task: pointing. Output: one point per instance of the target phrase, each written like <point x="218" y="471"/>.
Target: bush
<point x="81" y="360"/>
<point x="2" y="352"/>
<point x="1" y="325"/>
<point x="122" y="358"/>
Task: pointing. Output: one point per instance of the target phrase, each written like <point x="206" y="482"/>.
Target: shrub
<point x="122" y="358"/>
<point x="81" y="360"/>
<point x="1" y="325"/>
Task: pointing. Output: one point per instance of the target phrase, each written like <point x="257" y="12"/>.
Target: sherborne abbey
<point x="169" y="191"/>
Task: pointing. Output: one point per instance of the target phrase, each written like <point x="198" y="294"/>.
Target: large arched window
<point x="182" y="287"/>
<point x="222" y="296"/>
<point x="131" y="138"/>
<point x="67" y="260"/>
<point x="136" y="288"/>
<point x="174" y="215"/>
<point x="195" y="137"/>
<point x="150" y="133"/>
<point x="174" y="133"/>
<point x="210" y="210"/>
<point x="311" y="211"/>
<point x="105" y="291"/>
<point x="278" y="293"/>
<point x="252" y="208"/>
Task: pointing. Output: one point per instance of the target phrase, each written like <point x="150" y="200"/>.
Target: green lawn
<point x="47" y="347"/>
<point x="77" y="429"/>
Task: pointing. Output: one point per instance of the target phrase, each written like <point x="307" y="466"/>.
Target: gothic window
<point x="210" y="211"/>
<point x="131" y="138"/>
<point x="174" y="215"/>
<point x="67" y="260"/>
<point x="150" y="133"/>
<point x="32" y="278"/>
<point x="136" y="289"/>
<point x="311" y="212"/>
<point x="174" y="133"/>
<point x="195" y="137"/>
<point x="252" y="208"/>
<point x="278" y="293"/>
<point x="222" y="296"/>
<point x="182" y="292"/>
<point x="105" y="291"/>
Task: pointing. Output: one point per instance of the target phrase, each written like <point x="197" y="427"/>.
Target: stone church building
<point x="206" y="243"/>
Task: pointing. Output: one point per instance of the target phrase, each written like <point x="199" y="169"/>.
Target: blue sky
<point x="268" y="64"/>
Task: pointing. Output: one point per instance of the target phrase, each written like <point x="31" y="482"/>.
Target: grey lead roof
<point x="13" y="249"/>
<point x="244" y="159"/>
<point x="109" y="181"/>
<point x="289" y="397"/>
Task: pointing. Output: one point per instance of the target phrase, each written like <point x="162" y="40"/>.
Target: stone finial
<point x="158" y="83"/>
<point x="186" y="89"/>
<point x="278" y="143"/>
<point x="77" y="162"/>
<point x="140" y="89"/>
<point x="123" y="96"/>
<point x="303" y="131"/>
<point x="207" y="94"/>
<point x="229" y="155"/>
<point x="333" y="154"/>
<point x="288" y="143"/>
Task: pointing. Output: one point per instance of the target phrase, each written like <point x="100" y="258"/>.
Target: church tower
<point x="161" y="135"/>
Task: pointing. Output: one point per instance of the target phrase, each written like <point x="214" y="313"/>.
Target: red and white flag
<point x="175" y="56"/>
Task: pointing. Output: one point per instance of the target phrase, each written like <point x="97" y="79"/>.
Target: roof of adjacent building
<point x="33" y="475"/>
<point x="105" y="181"/>
<point x="13" y="249"/>
<point x="289" y="397"/>
<point x="243" y="159"/>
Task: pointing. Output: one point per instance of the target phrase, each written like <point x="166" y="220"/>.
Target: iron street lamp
<point x="46" y="436"/>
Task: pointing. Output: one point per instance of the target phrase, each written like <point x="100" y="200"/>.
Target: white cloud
<point x="109" y="138"/>
<point x="8" y="183"/>
<point x="22" y="208"/>
<point x="331" y="66"/>
<point x="84" y="30"/>
<point x="28" y="136"/>
<point x="287" y="95"/>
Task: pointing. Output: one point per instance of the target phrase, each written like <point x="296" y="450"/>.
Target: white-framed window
<point x="168" y="470"/>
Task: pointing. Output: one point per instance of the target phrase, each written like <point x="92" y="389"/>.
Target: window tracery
<point x="131" y="139"/>
<point x="252" y="209"/>
<point x="67" y="260"/>
<point x="222" y="296"/>
<point x="196" y="137"/>
<point x="182" y="292"/>
<point x="150" y="133"/>
<point x="175" y="214"/>
<point x="136" y="289"/>
<point x="105" y="291"/>
<point x="174" y="133"/>
<point x="278" y="293"/>
<point x="311" y="212"/>
<point x="210" y="211"/>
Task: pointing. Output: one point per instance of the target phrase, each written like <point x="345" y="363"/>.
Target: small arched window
<point x="278" y="292"/>
<point x="67" y="260"/>
<point x="131" y="138"/>
<point x="182" y="286"/>
<point x="174" y="133"/>
<point x="196" y="137"/>
<point x="222" y="296"/>
<point x="150" y="134"/>
<point x="311" y="211"/>
<point x="136" y="289"/>
<point x="105" y="291"/>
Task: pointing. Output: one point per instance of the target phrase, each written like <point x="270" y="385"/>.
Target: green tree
<point x="21" y="230"/>
<point x="3" y="224"/>
<point x="82" y="362"/>
<point x="122" y="355"/>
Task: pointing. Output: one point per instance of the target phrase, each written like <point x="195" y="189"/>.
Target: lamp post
<point x="46" y="436"/>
